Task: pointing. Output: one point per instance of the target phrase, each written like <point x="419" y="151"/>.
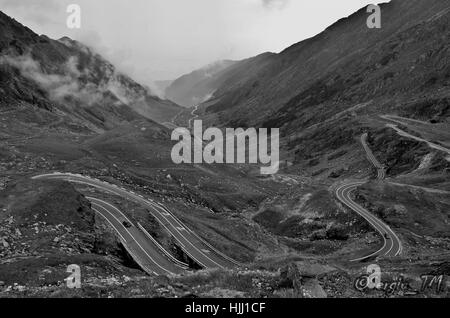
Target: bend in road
<point x="146" y="254"/>
<point x="391" y="243"/>
<point x="381" y="169"/>
<point x="192" y="244"/>
<point x="194" y="116"/>
<point x="408" y="135"/>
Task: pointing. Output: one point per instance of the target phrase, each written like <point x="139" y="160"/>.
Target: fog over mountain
<point x="162" y="40"/>
<point x="71" y="75"/>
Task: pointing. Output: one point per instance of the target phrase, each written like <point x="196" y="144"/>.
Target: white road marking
<point x="131" y="235"/>
<point x="156" y="207"/>
<point x="110" y="224"/>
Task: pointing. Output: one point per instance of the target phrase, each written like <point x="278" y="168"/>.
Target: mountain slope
<point x="57" y="99"/>
<point x="324" y="93"/>
<point x="64" y="108"/>
<point x="194" y="88"/>
<point x="345" y="65"/>
<point x="69" y="76"/>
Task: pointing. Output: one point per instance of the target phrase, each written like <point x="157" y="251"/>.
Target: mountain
<point x="196" y="87"/>
<point x="161" y="86"/>
<point x="345" y="65"/>
<point x="68" y="76"/>
<point x="327" y="92"/>
<point x="64" y="108"/>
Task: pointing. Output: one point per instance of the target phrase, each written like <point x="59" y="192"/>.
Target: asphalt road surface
<point x="192" y="244"/>
<point x="380" y="168"/>
<point x="392" y="245"/>
<point x="146" y="253"/>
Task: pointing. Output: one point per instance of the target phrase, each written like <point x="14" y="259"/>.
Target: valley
<point x="87" y="175"/>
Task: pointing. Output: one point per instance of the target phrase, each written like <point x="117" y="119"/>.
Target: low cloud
<point x="59" y="86"/>
<point x="69" y="83"/>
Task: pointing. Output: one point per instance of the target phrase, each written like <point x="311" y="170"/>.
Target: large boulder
<point x="303" y="278"/>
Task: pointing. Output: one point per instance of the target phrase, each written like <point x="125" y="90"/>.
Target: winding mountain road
<point x="408" y="135"/>
<point x="146" y="253"/>
<point x="380" y="168"/>
<point x="194" y="116"/>
<point x="392" y="245"/>
<point x="145" y="250"/>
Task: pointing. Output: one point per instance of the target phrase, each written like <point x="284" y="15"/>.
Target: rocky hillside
<point x="324" y="93"/>
<point x="343" y="66"/>
<point x="67" y="76"/>
<point x="52" y="226"/>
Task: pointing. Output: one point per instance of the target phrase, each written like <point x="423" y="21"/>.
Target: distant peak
<point x="65" y="39"/>
<point x="69" y="42"/>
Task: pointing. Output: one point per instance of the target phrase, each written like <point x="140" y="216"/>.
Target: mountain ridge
<point x="69" y="75"/>
<point x="194" y="88"/>
<point x="260" y="96"/>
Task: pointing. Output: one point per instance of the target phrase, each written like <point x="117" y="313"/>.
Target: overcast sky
<point x="163" y="39"/>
